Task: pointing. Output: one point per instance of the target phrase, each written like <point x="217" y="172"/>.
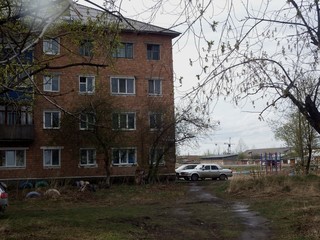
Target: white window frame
<point x="155" y="114"/>
<point x="119" y="117"/>
<point x="117" y="82"/>
<point x="152" y="87"/>
<point x="156" y="150"/>
<point x="85" y="120"/>
<point x="5" y="153"/>
<point x="51" y="119"/>
<point x="51" y="46"/>
<point x="48" y="82"/>
<point x="51" y="150"/>
<point x="123" y="51"/>
<point x="86" y="84"/>
<point x="88" y="155"/>
<point x="123" y="159"/>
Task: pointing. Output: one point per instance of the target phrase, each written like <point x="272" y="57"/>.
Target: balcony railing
<point x="16" y="132"/>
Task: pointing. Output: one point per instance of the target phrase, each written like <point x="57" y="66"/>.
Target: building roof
<point x="260" y="151"/>
<point x="225" y="156"/>
<point x="83" y="13"/>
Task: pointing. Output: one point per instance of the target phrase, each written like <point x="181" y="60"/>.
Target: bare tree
<point x="164" y="132"/>
<point x="23" y="24"/>
<point x="89" y="124"/>
<point x="266" y="54"/>
<point x="252" y="51"/>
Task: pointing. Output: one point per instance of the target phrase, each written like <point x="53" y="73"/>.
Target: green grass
<point x="122" y="212"/>
<point x="167" y="211"/>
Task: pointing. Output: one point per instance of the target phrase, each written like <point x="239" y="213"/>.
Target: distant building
<point x="186" y="159"/>
<point x="226" y="159"/>
<point x="251" y="156"/>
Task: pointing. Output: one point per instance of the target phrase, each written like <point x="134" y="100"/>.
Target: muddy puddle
<point x="255" y="226"/>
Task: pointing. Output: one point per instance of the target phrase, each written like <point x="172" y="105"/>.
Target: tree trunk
<point x="107" y="168"/>
<point x="307" y="169"/>
<point x="309" y="110"/>
<point x="314" y="114"/>
<point x="301" y="148"/>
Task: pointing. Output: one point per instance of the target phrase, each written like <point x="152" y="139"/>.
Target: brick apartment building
<point x="49" y="135"/>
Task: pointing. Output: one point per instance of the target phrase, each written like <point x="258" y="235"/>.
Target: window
<point x="124" y="121"/>
<point x="155" y="121"/>
<point x="86" y="48"/>
<point x="124" y="156"/>
<point x="12" y="118"/>
<point x="125" y="50"/>
<point x="51" y="46"/>
<point x="155" y="87"/>
<point x="157" y="154"/>
<point x="51" y="119"/>
<point x="153" y="51"/>
<point x="11" y="158"/>
<point x="123" y="85"/>
<point x="2" y="115"/>
<point x="86" y="84"/>
<point x="51" y="156"/>
<point x="214" y="168"/>
<point x="51" y="83"/>
<point x="87" y="157"/>
<point x="17" y="115"/>
<point x="25" y="57"/>
<point x="87" y="121"/>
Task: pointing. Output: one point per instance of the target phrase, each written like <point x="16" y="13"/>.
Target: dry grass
<point x="276" y="184"/>
<point x="290" y="202"/>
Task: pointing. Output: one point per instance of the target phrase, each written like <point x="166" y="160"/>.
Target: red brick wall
<point x="139" y="67"/>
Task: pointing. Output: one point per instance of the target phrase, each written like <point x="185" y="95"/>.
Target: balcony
<point x="16" y="133"/>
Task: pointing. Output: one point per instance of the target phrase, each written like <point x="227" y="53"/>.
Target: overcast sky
<point x="236" y="124"/>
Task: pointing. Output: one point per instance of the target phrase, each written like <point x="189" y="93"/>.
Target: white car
<point x="203" y="171"/>
<point x="184" y="167"/>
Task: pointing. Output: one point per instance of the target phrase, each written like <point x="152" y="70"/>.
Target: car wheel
<point x="223" y="177"/>
<point x="186" y="178"/>
<point x="194" y="177"/>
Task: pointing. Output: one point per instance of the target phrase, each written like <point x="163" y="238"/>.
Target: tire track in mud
<point x="256" y="226"/>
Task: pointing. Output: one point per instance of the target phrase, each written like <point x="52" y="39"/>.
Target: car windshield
<point x="190" y="166"/>
<point x="199" y="166"/>
<point x="185" y="167"/>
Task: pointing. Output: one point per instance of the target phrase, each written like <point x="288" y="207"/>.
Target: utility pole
<point x="229" y="145"/>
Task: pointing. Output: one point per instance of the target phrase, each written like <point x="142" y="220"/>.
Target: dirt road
<point x="255" y="226"/>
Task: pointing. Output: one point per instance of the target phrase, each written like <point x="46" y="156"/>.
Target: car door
<point x="205" y="172"/>
<point x="214" y="171"/>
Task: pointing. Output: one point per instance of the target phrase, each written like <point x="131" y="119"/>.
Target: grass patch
<point x="167" y="211"/>
<point x="291" y="203"/>
<point x="122" y="212"/>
